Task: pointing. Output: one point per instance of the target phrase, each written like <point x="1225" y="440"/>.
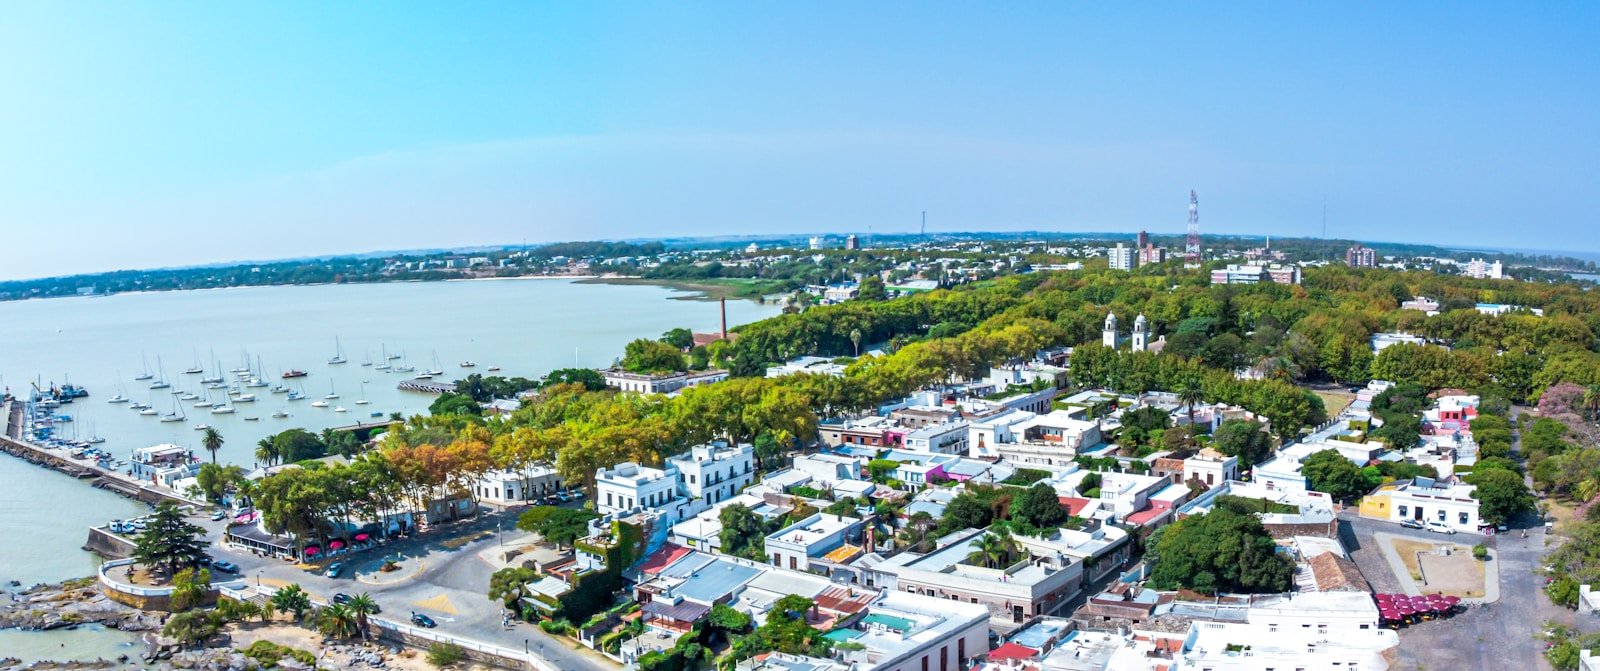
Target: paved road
<point x="442" y="576"/>
<point x="1491" y="637"/>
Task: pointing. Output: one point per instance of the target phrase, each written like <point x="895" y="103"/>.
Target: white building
<point x="1211" y="468"/>
<point x="660" y="383"/>
<point x="907" y="632"/>
<point x="164" y="464"/>
<point x="1108" y="334"/>
<point x="517" y="487"/>
<point x="946" y="438"/>
<point x="628" y="485"/>
<point x="1054" y="438"/>
<point x="715" y="472"/>
<point x="1122" y="257"/>
<point x="1480" y="269"/>
<point x="1317" y="631"/>
<point x="1425" y="500"/>
<point x="1011" y="595"/>
<point x="1382" y="341"/>
<point x="1141" y="334"/>
<point x="794" y="546"/>
<point x="827" y="469"/>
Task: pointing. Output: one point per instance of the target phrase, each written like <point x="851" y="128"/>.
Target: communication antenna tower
<point x="924" y="231"/>
<point x="1191" y="245"/>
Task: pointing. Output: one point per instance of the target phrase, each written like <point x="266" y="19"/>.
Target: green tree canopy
<point x="652" y="356"/>
<point x="561" y="526"/>
<point x="1245" y="439"/>
<point x="170" y="543"/>
<point x="1220" y="551"/>
<point x="1330" y="472"/>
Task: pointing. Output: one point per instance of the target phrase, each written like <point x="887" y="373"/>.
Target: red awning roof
<point x="1073" y="504"/>
<point x="1012" y="651"/>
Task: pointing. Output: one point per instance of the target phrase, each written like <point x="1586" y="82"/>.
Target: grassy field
<point x="1334" y="401"/>
<point x="704" y="290"/>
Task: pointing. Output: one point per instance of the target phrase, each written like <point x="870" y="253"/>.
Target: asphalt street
<point x="441" y="576"/>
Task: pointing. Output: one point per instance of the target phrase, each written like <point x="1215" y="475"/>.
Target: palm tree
<point x="362" y="605"/>
<point x="1591" y="400"/>
<point x="267" y="451"/>
<point x="992" y="550"/>
<point x="1191" y="392"/>
<point x="292" y="599"/>
<point x="337" y="621"/>
<point x="855" y="339"/>
<point x="212" y="441"/>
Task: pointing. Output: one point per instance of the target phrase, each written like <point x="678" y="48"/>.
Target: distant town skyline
<point x="174" y="134"/>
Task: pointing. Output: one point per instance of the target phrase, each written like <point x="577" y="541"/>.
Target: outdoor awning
<point x="683" y="611"/>
<point x="1012" y="651"/>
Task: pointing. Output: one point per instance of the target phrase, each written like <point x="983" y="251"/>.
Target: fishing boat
<point x="338" y="353"/>
<point x="293" y="373"/>
<point x="146" y="375"/>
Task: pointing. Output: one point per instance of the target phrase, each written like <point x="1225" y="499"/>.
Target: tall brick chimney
<point x="724" y="302"/>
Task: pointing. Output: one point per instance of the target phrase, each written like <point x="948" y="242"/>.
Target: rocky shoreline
<point x="69" y="604"/>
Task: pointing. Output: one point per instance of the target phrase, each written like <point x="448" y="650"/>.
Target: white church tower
<point x="1141" y="334"/>
<point x="1109" y="336"/>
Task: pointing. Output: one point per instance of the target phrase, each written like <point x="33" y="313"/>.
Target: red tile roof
<point x="663" y="558"/>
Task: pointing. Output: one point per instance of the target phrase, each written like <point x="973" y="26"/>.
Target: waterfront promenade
<point x="15" y="444"/>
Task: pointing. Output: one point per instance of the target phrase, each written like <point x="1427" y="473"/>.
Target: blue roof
<point x="717" y="580"/>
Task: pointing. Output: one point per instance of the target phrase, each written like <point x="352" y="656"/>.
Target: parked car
<point x="218" y="516"/>
<point x="565" y="497"/>
<point x="576" y="493"/>
<point x="422" y="620"/>
<point x="1441" y="528"/>
<point x="1411" y="524"/>
<point x="335" y="569"/>
<point x="341" y="598"/>
<point x="224" y="566"/>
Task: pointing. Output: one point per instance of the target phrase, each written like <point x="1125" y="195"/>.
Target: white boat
<point x="319" y="404"/>
<point x="279" y="389"/>
<point x="368" y="361"/>
<point x="363" y="399"/>
<point x="146" y="375"/>
<point x="119" y="398"/>
<point x="331" y="393"/>
<point x="279" y="414"/>
<point x="494" y="369"/>
<point x="340" y="409"/>
<point x="176" y="415"/>
<point x="296" y="396"/>
<point x="160" y="383"/>
<point x="196" y="369"/>
<point x="423" y="376"/>
<point x="201" y="427"/>
<point x="338" y="353"/>
<point x="222" y="410"/>
<point x="437" y="369"/>
<point x="468" y="364"/>
<point x="188" y="396"/>
<point x="245" y="398"/>
<point x="404" y="367"/>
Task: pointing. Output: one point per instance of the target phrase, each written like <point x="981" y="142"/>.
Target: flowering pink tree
<point x="1561" y="399"/>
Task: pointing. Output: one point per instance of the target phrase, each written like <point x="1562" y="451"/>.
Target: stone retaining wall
<point x="107" y="544"/>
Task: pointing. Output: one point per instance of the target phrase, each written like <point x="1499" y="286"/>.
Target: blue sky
<point x="163" y="133"/>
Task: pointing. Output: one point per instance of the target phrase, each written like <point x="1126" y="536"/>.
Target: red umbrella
<point x="1452" y="600"/>
<point x="362" y="537"/>
<point x="310" y="551"/>
<point x="334" y="545"/>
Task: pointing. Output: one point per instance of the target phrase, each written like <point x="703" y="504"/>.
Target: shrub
<point x="269" y="654"/>
<point x="445" y="654"/>
<point x="1480" y="552"/>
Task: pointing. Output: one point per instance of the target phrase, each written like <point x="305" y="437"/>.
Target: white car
<point x="1441" y="527"/>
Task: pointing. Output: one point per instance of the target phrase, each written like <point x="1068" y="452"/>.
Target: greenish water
<point x="86" y="643"/>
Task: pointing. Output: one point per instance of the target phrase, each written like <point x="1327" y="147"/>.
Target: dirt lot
<point x="1457" y="573"/>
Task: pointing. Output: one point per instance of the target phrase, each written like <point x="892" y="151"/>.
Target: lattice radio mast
<point x="1191" y="245"/>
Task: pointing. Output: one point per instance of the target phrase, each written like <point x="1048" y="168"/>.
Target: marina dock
<point x="15" y="444"/>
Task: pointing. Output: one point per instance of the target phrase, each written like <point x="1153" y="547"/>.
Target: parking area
<point x="1487" y="637"/>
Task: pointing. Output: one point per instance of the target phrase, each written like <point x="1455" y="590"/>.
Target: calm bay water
<point x="526" y="327"/>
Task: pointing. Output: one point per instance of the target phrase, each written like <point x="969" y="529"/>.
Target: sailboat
<point x="363" y="399"/>
<point x="120" y="397"/>
<point x="204" y="401"/>
<point x="384" y="363"/>
<point x="146" y="375"/>
<point x="221" y="409"/>
<point x="176" y="415"/>
<point x="217" y="377"/>
<point x="94" y="436"/>
<point x="331" y="393"/>
<point x="368" y="361"/>
<point x="338" y="353"/>
<point x="196" y="369"/>
<point x="404" y="367"/>
<point x="436" y="370"/>
<point x="162" y="382"/>
<point x="298" y="394"/>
